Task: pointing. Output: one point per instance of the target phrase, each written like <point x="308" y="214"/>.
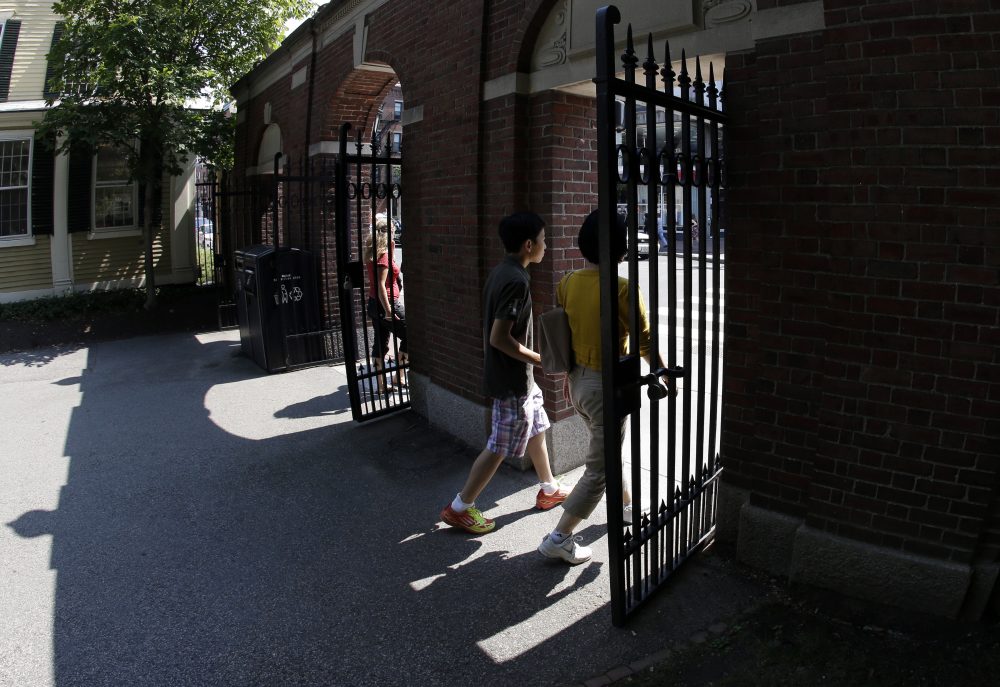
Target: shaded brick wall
<point x="563" y="190"/>
<point x="863" y="373"/>
<point x="514" y="25"/>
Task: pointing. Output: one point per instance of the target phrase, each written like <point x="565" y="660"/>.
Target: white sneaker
<point x="569" y="550"/>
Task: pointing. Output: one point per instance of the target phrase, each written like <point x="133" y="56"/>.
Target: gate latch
<point x="627" y="394"/>
<point x="657" y="390"/>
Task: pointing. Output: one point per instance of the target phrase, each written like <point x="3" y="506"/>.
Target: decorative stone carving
<point x="717" y="12"/>
<point x="554" y="54"/>
<point x="553" y="38"/>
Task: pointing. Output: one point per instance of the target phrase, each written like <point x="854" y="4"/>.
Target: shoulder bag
<point x="555" y="341"/>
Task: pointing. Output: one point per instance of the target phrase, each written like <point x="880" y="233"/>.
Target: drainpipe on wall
<point x="312" y="85"/>
<point x="309" y="111"/>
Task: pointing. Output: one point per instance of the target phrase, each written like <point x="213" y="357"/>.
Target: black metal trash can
<point x="277" y="295"/>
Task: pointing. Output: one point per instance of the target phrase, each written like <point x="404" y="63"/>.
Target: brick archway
<point x="473" y="155"/>
<point x="356" y="100"/>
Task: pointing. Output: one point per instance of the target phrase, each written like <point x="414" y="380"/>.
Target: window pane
<point x="14" y="163"/>
<point x="111" y="165"/>
<point x="14" y="212"/>
<point x="14" y="173"/>
<point x="113" y="206"/>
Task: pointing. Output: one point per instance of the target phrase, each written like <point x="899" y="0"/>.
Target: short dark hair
<point x="589" y="242"/>
<point x="519" y="227"/>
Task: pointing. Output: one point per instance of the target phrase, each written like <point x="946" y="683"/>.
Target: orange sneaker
<point x="545" y="501"/>
<point x="470" y="521"/>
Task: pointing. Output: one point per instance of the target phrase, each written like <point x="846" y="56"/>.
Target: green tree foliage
<point x="126" y="73"/>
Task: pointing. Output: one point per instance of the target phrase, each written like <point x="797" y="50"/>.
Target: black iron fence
<point x="667" y="163"/>
<point x="295" y="207"/>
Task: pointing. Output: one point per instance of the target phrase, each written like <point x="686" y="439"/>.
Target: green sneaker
<point x="470" y="521"/>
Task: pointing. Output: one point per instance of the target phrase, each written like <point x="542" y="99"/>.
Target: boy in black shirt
<point x="519" y="419"/>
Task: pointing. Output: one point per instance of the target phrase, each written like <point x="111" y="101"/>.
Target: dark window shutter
<point x="11" y="30"/>
<point x="50" y="94"/>
<point x="42" y="174"/>
<point x="81" y="162"/>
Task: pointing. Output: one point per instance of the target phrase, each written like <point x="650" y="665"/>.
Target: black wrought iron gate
<point x="368" y="192"/>
<point x="660" y="144"/>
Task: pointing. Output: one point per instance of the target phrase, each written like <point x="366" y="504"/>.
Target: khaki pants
<point x="587" y="395"/>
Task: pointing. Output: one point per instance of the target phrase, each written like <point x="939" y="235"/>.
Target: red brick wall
<point x="504" y="182"/>
<point x="444" y="269"/>
<point x="563" y="190"/>
<point x="468" y="163"/>
<point x="863" y="379"/>
<point x="514" y="25"/>
<point x="540" y="153"/>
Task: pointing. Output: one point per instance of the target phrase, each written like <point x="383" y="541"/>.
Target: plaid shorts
<point x="515" y="420"/>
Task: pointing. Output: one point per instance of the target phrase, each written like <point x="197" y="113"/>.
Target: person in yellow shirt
<point x="579" y="293"/>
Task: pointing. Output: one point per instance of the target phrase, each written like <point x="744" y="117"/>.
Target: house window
<point x="114" y="194"/>
<point x="397" y="141"/>
<point x="397" y="110"/>
<point x="15" y="180"/>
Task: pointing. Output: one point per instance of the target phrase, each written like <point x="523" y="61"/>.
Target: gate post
<point x="607" y="17"/>
<point x="344" y="284"/>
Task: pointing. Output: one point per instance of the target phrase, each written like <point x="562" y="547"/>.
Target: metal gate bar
<point x="364" y="185"/>
<point x="213" y="243"/>
<point x="654" y="544"/>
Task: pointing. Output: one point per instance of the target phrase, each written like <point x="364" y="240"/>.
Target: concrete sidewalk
<point x="174" y="516"/>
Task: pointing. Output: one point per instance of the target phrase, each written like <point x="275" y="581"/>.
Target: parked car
<point x="642" y="244"/>
<point x="397" y="233"/>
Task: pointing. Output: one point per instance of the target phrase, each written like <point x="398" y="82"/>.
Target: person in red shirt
<point x="385" y="304"/>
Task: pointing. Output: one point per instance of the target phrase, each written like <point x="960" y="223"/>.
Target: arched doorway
<point x="370" y="301"/>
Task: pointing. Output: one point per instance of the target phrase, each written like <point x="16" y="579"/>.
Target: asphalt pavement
<point x="172" y="515"/>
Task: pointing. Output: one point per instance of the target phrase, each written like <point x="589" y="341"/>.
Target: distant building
<point x="71" y="222"/>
